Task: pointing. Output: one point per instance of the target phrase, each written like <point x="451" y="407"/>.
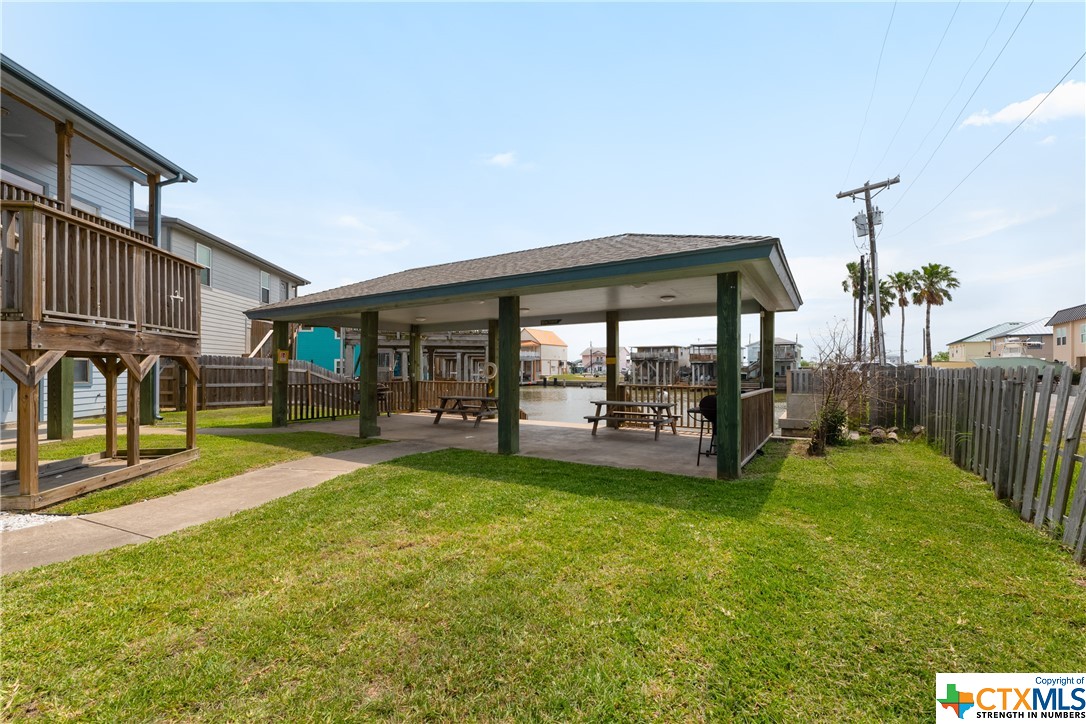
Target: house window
<point x="1061" y="336"/>
<point x="339" y="367"/>
<point x="203" y="257"/>
<point x="81" y="372"/>
<point x="265" y="287"/>
<point x="284" y="291"/>
<point x="1082" y="334"/>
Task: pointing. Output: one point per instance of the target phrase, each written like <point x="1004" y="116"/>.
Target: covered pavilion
<point x="611" y="280"/>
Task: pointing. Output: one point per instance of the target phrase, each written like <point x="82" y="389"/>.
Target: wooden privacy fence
<point x="236" y="381"/>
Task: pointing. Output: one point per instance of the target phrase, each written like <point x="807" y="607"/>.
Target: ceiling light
<point x="4" y="112"/>
<point x="667" y="298"/>
<point x="525" y="309"/>
<point x="420" y="319"/>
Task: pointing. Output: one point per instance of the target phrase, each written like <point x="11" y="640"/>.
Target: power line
<point x="961" y="82"/>
<point x="919" y="86"/>
<point x="988" y="155"/>
<point x="871" y="98"/>
<point x="965" y="105"/>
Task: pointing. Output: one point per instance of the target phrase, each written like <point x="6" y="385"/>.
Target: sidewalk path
<point x="139" y="522"/>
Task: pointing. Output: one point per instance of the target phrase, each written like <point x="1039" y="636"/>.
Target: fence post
<point x="1064" y="391"/>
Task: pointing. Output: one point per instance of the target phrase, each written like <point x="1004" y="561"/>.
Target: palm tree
<point x="887" y="296"/>
<point x="852" y="284"/>
<point x="903" y="283"/>
<point x="933" y="285"/>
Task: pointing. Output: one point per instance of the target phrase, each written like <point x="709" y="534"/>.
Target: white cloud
<point x="1067" y="101"/>
<point x="1048" y="140"/>
<point x="985" y="222"/>
<point x="1023" y="272"/>
<point x="346" y="221"/>
<point x="505" y="160"/>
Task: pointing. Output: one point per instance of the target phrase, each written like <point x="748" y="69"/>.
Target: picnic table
<point x="477" y="406"/>
<point x="656" y="414"/>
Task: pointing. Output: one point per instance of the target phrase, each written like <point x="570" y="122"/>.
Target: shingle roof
<point x="986" y="334"/>
<point x="591" y="252"/>
<point x="1068" y="315"/>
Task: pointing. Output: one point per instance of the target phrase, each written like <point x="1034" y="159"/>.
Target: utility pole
<point x="866" y="190"/>
<point x="861" y="312"/>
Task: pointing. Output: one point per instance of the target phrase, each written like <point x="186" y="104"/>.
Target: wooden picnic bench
<point x="476" y="406"/>
<point x="656" y="414"/>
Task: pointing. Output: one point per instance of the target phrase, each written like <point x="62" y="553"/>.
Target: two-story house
<point x="594" y="360"/>
<point x="659" y="365"/>
<point x="1069" y="336"/>
<point x="979" y="344"/>
<point x="1032" y="339"/>
<point x="542" y="354"/>
<point x="787" y="355"/>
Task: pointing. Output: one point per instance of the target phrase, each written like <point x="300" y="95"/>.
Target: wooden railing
<point x="684" y="397"/>
<point x="757" y="419"/>
<point x="321" y="400"/>
<point x="76" y="268"/>
<point x="429" y="392"/>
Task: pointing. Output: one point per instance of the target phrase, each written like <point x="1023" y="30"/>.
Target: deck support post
<point x="280" y="373"/>
<point x="509" y="375"/>
<point x="414" y="366"/>
<point x="112" y="372"/>
<point x="367" y="377"/>
<point x="767" y="361"/>
<point x="611" y="360"/>
<point x="61" y="412"/>
<point x="192" y="373"/>
<point x="132" y="423"/>
<point x="26" y="460"/>
<point x="492" y="356"/>
<point x="728" y="385"/>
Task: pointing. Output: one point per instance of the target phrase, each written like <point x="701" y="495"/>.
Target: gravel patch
<point x="16" y="521"/>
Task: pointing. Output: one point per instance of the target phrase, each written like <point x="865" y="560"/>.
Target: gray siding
<point x="99" y="186"/>
<point x="224" y="328"/>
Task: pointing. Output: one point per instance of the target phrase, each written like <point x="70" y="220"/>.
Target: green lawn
<point x="226" y="417"/>
<point x="220" y="457"/>
<point x="461" y="585"/>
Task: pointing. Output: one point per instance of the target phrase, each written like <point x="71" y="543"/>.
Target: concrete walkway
<point x="139" y="522"/>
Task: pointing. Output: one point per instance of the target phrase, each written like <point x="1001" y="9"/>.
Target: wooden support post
<point x="147" y="397"/>
<point x="26" y="455"/>
<point x="611" y="360"/>
<point x="65" y="131"/>
<point x="281" y="375"/>
<point x="509" y="375"/>
<point x="414" y="367"/>
<point x="729" y="416"/>
<point x="492" y="356"/>
<point x="767" y="360"/>
<point x="59" y="421"/>
<point x="367" y="377"/>
<point x="192" y="373"/>
<point x="132" y="410"/>
<point x="112" y="371"/>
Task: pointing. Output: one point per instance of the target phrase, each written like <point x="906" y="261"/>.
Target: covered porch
<point x="609" y="280"/>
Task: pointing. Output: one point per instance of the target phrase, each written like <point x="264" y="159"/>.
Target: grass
<point x="220" y="457"/>
<point x="246" y="417"/>
<point x="462" y="585"/>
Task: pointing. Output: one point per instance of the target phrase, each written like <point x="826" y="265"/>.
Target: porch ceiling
<point x="566" y="284"/>
<point x="33" y="107"/>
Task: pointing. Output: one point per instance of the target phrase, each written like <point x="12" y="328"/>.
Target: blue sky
<point x="346" y="141"/>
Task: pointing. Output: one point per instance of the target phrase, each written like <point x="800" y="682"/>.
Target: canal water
<point x="560" y="404"/>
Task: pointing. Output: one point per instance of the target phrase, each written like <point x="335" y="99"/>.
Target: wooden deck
<point x="76" y="285"/>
